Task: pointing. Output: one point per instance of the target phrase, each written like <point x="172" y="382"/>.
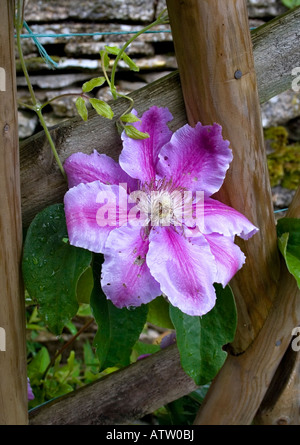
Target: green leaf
<point x="85" y="286"/>
<point x="105" y="59"/>
<point x="288" y="230"/>
<point x="102" y="108"/>
<point x="130" y="117"/>
<point x="112" y="50"/>
<point x="158" y="313"/>
<point x="133" y="133"/>
<point x="81" y="108"/>
<point x="200" y="339"/>
<point x="118" y="329"/>
<point x="51" y="268"/>
<point x="93" y="83"/>
<point x="130" y="63"/>
<point x="291" y="3"/>
<point x="38" y="366"/>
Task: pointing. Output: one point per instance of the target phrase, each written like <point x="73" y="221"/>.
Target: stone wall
<point x="78" y="57"/>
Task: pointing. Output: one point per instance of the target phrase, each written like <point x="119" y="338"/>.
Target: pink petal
<point x="126" y="279"/>
<point x="196" y="158"/>
<point x="83" y="168"/>
<point x="220" y="218"/>
<point x="229" y="257"/>
<point x="30" y="394"/>
<point x="91" y="213"/>
<point x="186" y="272"/>
<point x="139" y="157"/>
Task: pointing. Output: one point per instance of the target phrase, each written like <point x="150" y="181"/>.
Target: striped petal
<point x="92" y="211"/>
<point x="196" y="158"/>
<point x="186" y="271"/>
<point x="83" y="168"/>
<point x="228" y="256"/>
<point x="126" y="279"/>
<point x="139" y="156"/>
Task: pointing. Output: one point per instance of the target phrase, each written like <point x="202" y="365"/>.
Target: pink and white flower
<point x="159" y="229"/>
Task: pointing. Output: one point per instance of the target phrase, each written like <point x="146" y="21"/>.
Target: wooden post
<point x="216" y="66"/>
<point x="13" y="383"/>
<point x="281" y="404"/>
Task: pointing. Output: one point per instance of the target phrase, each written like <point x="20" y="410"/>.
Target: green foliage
<point x="291" y="3"/>
<point x="288" y="230"/>
<point x="200" y="339"/>
<point x="118" y="329"/>
<point x="158" y="313"/>
<point x="93" y="83"/>
<point x="81" y="108"/>
<point x="85" y="286"/>
<point x="129" y="118"/>
<point x="102" y="108"/>
<point x="52" y="267"/>
<point x="133" y="133"/>
<point x="284" y="161"/>
<point x="114" y="50"/>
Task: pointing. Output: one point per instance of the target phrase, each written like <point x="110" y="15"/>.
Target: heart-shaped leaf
<point x="52" y="267"/>
<point x="118" y="329"/>
<point x="200" y="340"/>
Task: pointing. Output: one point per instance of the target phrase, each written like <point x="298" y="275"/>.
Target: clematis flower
<point x="153" y="218"/>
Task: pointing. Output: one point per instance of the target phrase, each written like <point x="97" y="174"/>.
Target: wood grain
<point x="13" y="383"/>
<point x="276" y="52"/>
<point x="281" y="404"/>
<point x="41" y="181"/>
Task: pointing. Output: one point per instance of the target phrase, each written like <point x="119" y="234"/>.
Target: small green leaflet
<point x="52" y="267"/>
<point x="130" y="63"/>
<point x="200" y="339"/>
<point x="81" y="108"/>
<point x="104" y="58"/>
<point x="129" y="118"/>
<point x="115" y="51"/>
<point x="291" y="3"/>
<point x="118" y="329"/>
<point x="93" y="83"/>
<point x="133" y="133"/>
<point x="102" y="108"/>
<point x="288" y="230"/>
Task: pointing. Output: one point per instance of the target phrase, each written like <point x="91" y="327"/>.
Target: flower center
<point x="160" y="204"/>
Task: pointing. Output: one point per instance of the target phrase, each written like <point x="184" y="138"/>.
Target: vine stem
<point x="36" y="106"/>
<point x="69" y="343"/>
<point x="63" y="95"/>
<point x="38" y="111"/>
<point x="160" y="20"/>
